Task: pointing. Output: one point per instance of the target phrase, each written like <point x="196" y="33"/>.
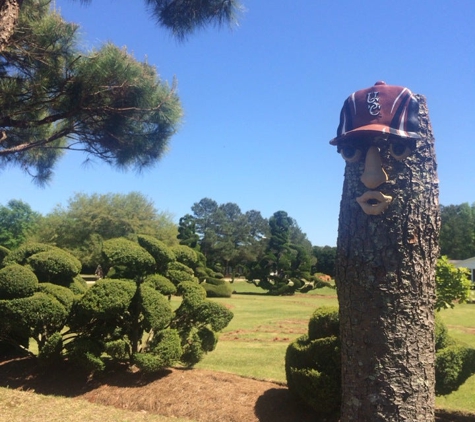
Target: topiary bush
<point x="312" y="363"/>
<point x="54" y="266"/>
<point x="125" y="259"/>
<point x="21" y="254"/>
<point x="216" y="287"/>
<point x="161" y="284"/>
<point x="160" y="252"/>
<point x="454" y="365"/>
<point x="197" y="320"/>
<point x="16" y="282"/>
<point x="186" y="255"/>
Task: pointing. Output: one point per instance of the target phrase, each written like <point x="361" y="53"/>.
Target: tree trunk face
<point x="386" y="288"/>
<point x="9" y="11"/>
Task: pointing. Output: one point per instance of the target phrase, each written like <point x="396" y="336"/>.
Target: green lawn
<point x="255" y="341"/>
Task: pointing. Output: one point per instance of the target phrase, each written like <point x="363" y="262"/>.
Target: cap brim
<point x="372" y="130"/>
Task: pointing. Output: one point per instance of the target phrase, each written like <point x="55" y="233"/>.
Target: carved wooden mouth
<point x="374" y="202"/>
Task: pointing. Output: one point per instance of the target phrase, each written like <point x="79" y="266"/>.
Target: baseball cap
<point x="380" y="109"/>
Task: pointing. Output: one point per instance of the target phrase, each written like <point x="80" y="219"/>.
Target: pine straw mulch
<point x="195" y="394"/>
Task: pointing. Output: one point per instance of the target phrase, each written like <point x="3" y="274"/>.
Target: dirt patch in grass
<point x="198" y="395"/>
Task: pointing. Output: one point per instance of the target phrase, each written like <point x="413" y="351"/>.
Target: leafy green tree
<point x="53" y="99"/>
<point x="325" y="256"/>
<point x="187" y="231"/>
<point x="452" y="284"/>
<point x="89" y="220"/>
<point x="457" y="232"/>
<point x="284" y="267"/>
<point x="17" y="222"/>
<point x="205" y="212"/>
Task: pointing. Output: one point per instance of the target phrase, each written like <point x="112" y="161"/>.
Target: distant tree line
<point x="230" y="239"/>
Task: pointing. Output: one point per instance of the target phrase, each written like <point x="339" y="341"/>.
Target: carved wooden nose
<point x="374" y="174"/>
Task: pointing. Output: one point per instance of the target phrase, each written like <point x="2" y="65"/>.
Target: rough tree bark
<point x="386" y="289"/>
<point x="9" y="12"/>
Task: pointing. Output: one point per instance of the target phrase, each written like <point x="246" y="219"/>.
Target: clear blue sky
<point x="262" y="102"/>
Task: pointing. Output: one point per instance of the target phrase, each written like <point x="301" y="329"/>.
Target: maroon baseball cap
<point x="381" y="109"/>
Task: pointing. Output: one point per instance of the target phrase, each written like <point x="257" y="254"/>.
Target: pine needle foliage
<point x="183" y="17"/>
<point x="55" y="98"/>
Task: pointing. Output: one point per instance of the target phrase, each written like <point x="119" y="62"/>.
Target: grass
<point x="255" y="341"/>
<point x="253" y="345"/>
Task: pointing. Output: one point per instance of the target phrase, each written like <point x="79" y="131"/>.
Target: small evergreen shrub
<point x="178" y="276"/>
<point x="17" y="281"/>
<point x="62" y="294"/>
<point x="77" y="285"/>
<point x="454" y="365"/>
<point x="156" y="310"/>
<point x="126" y="259"/>
<point x="312" y="364"/>
<point x="160" y="252"/>
<point x="54" y="266"/>
<point x="21" y="254"/>
<point x="218" y="290"/>
<point x="185" y="255"/>
<point x="161" y="284"/>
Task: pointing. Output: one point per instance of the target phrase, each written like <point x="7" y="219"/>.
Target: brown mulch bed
<point x="199" y="395"/>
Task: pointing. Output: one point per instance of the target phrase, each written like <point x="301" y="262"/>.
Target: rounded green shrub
<point x="161" y="284"/>
<point x="54" y="266"/>
<point x="106" y="299"/>
<point x="224" y="289"/>
<point x="178" y="276"/>
<point x="62" y="294"/>
<point x="185" y="255"/>
<point x="78" y="285"/>
<point x="454" y="365"/>
<point x="156" y="309"/>
<point x="178" y="266"/>
<point x="193" y="293"/>
<point x="126" y="259"/>
<point x="324" y="322"/>
<point x="17" y="281"/>
<point x="160" y="252"/>
<point x="21" y="254"/>
<point x="216" y="315"/>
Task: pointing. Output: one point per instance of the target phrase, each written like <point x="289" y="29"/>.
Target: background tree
<point x="325" y="256"/>
<point x="452" y="284"/>
<point x="457" y="232"/>
<point x="53" y="99"/>
<point x="88" y="220"/>
<point x="17" y="222"/>
<point x="187" y="231"/>
<point x="284" y="267"/>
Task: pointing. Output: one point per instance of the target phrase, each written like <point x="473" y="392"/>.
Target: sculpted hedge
<point x="125" y="318"/>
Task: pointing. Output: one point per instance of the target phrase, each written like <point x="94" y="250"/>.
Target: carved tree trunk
<point x="386" y="290"/>
<point x="9" y="11"/>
